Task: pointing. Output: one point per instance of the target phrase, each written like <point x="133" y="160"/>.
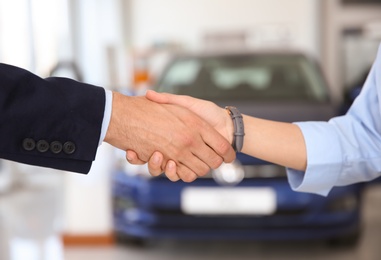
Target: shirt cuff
<point x="324" y="160"/>
<point x="106" y="116"/>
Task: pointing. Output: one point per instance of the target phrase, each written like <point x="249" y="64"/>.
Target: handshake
<point x="182" y="136"/>
<point x="185" y="137"/>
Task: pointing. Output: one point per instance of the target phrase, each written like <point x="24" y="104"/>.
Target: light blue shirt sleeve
<point x="346" y="149"/>
<point x="106" y="116"/>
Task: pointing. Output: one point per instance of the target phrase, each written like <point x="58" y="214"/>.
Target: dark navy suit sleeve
<point x="53" y="122"/>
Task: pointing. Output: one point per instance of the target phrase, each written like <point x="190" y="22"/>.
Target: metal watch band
<point x="239" y="129"/>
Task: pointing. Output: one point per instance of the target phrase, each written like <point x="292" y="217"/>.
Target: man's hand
<point x="217" y="117"/>
<point x="140" y="125"/>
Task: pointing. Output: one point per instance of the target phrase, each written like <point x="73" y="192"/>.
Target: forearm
<point x="276" y="142"/>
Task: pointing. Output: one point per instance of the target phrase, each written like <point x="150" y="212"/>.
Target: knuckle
<point x="189" y="177"/>
<point x="217" y="162"/>
<point x="187" y="140"/>
<point x="184" y="139"/>
<point x="224" y="147"/>
<point x="204" y="172"/>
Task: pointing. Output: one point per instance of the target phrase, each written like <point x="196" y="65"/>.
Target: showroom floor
<point x="369" y="248"/>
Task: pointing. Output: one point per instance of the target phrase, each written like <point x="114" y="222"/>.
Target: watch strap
<point x="239" y="129"/>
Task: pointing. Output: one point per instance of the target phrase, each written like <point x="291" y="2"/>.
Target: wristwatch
<point x="239" y="129"/>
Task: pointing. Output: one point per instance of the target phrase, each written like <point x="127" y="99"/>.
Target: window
<point x="246" y="77"/>
<point x="29" y="33"/>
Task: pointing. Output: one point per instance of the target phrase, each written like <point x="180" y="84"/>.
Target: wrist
<point x="239" y="129"/>
<point x="118" y="111"/>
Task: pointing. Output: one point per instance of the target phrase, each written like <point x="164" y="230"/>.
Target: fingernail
<point x="171" y="165"/>
<point x="156" y="158"/>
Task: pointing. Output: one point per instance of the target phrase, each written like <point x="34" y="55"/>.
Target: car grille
<point x="278" y="213"/>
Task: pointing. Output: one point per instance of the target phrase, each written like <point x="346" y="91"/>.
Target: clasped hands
<point x="179" y="135"/>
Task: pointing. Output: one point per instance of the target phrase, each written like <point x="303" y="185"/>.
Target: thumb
<point x="157" y="97"/>
<point x="166" y="98"/>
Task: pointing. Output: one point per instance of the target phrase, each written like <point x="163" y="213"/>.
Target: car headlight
<point x="229" y="173"/>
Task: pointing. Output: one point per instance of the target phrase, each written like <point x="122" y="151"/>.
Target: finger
<point x="186" y="174"/>
<point x="170" y="171"/>
<point x="197" y="165"/>
<point x="209" y="157"/>
<point x="154" y="164"/>
<point x="218" y="143"/>
<point x="133" y="158"/>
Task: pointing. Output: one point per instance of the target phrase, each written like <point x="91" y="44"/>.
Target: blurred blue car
<point x="249" y="199"/>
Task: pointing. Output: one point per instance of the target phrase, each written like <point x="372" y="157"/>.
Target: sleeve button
<point x="28" y="144"/>
<point x="42" y="146"/>
<point x="69" y="147"/>
<point x="56" y="147"/>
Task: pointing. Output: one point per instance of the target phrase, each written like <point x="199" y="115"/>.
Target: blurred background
<point x="127" y="46"/>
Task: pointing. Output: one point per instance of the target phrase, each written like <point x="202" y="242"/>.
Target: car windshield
<point x="245" y="77"/>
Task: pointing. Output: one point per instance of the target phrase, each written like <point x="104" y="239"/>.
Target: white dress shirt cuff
<point x="324" y="160"/>
<point x="106" y="116"/>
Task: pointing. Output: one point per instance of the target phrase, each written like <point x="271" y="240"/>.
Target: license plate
<point x="228" y="201"/>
